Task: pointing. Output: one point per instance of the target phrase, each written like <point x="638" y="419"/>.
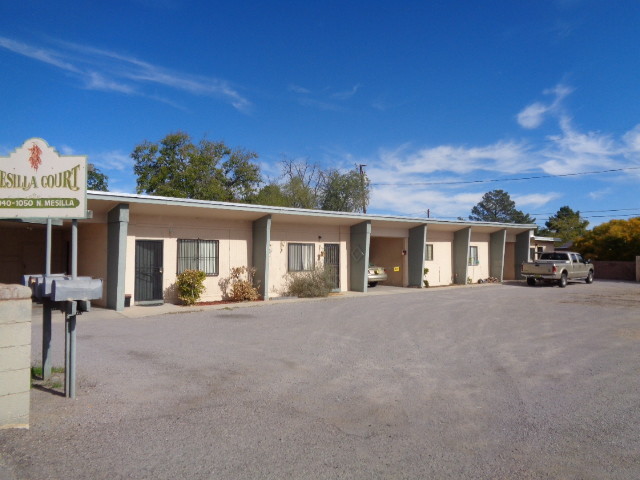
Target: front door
<point x="332" y="263"/>
<point x="148" y="287"/>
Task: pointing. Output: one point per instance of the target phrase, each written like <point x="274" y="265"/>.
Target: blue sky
<point x="428" y="94"/>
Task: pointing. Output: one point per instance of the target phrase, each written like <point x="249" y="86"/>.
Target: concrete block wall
<point x="15" y="355"/>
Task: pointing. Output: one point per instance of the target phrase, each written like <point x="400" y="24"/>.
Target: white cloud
<point x="298" y="89"/>
<point x="535" y="199"/>
<point x="96" y="81"/>
<point x="114" y="161"/>
<point x="40" y="54"/>
<point x="409" y="179"/>
<point x="110" y="71"/>
<point x="534" y="114"/>
<point x="572" y="151"/>
<point x="346" y="94"/>
<point x="440" y="204"/>
<point x="503" y="156"/>
<point x="324" y="99"/>
<point x="598" y="194"/>
<point x="632" y="140"/>
<point x="66" y="150"/>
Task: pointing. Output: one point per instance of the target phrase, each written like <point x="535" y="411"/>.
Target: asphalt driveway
<point x="492" y="381"/>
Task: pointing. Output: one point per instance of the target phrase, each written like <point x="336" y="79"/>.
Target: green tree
<point x="271" y="194"/>
<point x="614" y="240"/>
<point x="176" y="167"/>
<point x="345" y="192"/>
<point x="302" y="183"/>
<point x="497" y="206"/>
<point x="299" y="194"/>
<point x="566" y="224"/>
<point x="306" y="185"/>
<point x="96" y="180"/>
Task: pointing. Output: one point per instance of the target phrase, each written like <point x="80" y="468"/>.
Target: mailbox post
<point x="72" y="297"/>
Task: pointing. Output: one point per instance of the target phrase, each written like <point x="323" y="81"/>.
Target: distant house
<point x="540" y="245"/>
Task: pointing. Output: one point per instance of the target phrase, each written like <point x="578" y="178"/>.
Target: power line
<point x="549" y="215"/>
<point x="593" y="211"/>
<point x="537" y="177"/>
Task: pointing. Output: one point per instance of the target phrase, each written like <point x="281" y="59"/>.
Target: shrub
<point x="314" y="283"/>
<point x="190" y="285"/>
<point x="239" y="289"/>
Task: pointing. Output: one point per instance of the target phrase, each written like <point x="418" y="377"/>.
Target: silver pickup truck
<point x="558" y="267"/>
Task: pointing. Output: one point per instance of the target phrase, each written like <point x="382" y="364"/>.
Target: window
<point x="301" y="257"/>
<point x="198" y="255"/>
<point x="428" y="254"/>
<point x="473" y="256"/>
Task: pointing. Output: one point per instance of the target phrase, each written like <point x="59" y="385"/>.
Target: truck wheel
<point x="563" y="281"/>
<point x="589" y="278"/>
<point x="531" y="282"/>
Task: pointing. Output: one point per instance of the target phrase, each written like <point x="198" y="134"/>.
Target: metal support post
<point x="70" y="323"/>
<point x="47" y="266"/>
<point x="47" y="307"/>
<point x="74" y="249"/>
<point x="70" y="350"/>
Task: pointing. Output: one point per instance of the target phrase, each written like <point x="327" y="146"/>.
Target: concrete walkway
<point x="142" y="311"/>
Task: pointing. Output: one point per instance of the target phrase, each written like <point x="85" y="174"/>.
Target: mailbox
<point x="82" y="288"/>
<point x="41" y="284"/>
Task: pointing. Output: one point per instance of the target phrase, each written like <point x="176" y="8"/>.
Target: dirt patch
<point x="221" y="302"/>
<point x="614" y="300"/>
<point x="629" y="333"/>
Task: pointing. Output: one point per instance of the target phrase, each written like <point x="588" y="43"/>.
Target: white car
<point x="376" y="274"/>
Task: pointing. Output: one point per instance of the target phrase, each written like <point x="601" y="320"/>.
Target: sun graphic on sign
<point x="35" y="159"/>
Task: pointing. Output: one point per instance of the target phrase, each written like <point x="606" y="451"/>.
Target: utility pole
<point x="364" y="197"/>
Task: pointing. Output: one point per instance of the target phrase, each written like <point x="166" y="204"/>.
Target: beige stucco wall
<point x="234" y="249"/>
<point x="441" y="268"/>
<point x="481" y="271"/>
<point x="392" y="232"/>
<point x="283" y="234"/>
<point x="92" y="255"/>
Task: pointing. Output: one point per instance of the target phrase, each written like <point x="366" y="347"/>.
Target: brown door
<point x="509" y="271"/>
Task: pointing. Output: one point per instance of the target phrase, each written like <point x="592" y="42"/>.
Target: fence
<point x="613" y="270"/>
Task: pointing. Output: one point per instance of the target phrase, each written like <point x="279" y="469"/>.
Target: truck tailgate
<point x="541" y="267"/>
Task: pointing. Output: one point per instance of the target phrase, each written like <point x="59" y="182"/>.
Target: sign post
<point x="37" y="182"/>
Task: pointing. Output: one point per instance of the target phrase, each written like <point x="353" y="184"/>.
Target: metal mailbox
<point x="81" y="288"/>
<point x="40" y="284"/>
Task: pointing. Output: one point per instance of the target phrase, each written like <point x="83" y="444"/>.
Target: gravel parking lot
<point x="478" y="382"/>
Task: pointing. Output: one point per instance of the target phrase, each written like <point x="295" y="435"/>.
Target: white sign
<point x="36" y="182"/>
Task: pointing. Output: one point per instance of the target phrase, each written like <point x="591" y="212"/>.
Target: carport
<point x="400" y="249"/>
